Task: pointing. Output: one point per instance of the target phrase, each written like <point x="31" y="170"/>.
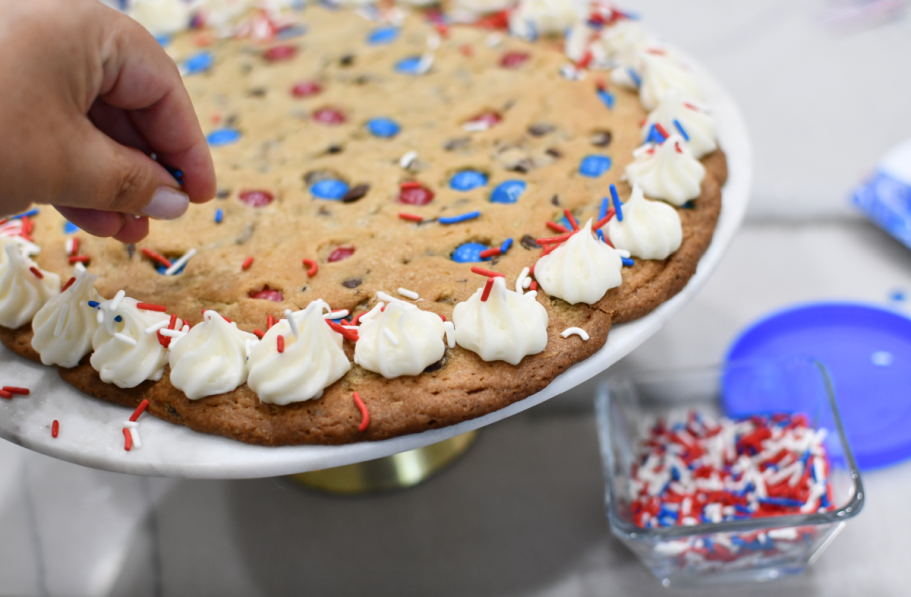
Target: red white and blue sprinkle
<point x="618" y="207"/>
<point x="460" y="218"/>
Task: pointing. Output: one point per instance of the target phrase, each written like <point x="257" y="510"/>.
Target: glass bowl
<point x="752" y="549"/>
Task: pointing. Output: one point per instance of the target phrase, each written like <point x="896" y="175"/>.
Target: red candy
<point x="306" y="89"/>
<point x="514" y="59"/>
<point x="279" y="53"/>
<point x="256" y="198"/>
<point x="489" y="118"/>
<point x="268" y="295"/>
<point x="329" y="116"/>
<point x="340" y="253"/>
<point x="415" y="195"/>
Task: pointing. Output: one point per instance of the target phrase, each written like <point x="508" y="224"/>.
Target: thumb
<point x="114" y="177"/>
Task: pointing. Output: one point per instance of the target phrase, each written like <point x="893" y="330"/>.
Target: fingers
<point x="114" y="177"/>
<point x="125" y="228"/>
<point x="141" y="78"/>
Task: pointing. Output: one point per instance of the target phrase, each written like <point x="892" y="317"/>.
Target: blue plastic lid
<point x="867" y="351"/>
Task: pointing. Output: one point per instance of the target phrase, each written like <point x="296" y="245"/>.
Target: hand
<point x="88" y="95"/>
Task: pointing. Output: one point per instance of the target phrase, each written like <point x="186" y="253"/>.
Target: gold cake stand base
<point x="392" y="472"/>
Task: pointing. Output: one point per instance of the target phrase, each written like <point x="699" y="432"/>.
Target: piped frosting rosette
<point x="667" y="171"/>
<point x="662" y="73"/>
<point x="22" y="291"/>
<point x="674" y="113"/>
<point x="127" y="352"/>
<point x="506" y="327"/>
<point x="649" y="229"/>
<point x="399" y="339"/>
<point x="532" y="18"/>
<point x="211" y="358"/>
<point x="580" y="270"/>
<point x="311" y="358"/>
<point x="64" y="326"/>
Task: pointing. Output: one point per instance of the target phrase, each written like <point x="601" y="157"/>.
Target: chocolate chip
<point x="601" y="138"/>
<point x="555" y="200"/>
<point x="346" y="60"/>
<point x="335" y="149"/>
<point x="435" y="367"/>
<point x="323" y="211"/>
<point x="356" y="192"/>
<point x="554" y="152"/>
<point x="231" y="120"/>
<point x="257" y="92"/>
<point x="352" y="282"/>
<point x="539" y="130"/>
<point x="522" y="166"/>
<point x="528" y="241"/>
<point x="131" y="250"/>
<point x="223" y="193"/>
<point x="458" y="143"/>
<point x="246" y="235"/>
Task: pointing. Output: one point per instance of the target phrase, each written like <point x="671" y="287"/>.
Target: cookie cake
<point x="425" y="214"/>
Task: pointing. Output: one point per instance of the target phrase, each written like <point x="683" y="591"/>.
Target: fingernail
<point x="167" y="204"/>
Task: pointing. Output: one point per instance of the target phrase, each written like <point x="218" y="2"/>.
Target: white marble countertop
<point x="522" y="512"/>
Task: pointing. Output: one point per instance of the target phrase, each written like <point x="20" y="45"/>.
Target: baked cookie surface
<point x="321" y="143"/>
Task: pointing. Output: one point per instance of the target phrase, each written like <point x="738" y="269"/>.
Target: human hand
<point x="88" y="95"/>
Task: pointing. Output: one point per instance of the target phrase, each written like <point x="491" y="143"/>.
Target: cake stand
<point x="91" y="430"/>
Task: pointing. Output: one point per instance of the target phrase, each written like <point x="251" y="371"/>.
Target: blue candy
<point x="70" y="228"/>
<point x="409" y="66"/>
<point x="198" y="63"/>
<point x="164" y="40"/>
<point x="330" y="189"/>
<point x="383" y="127"/>
<point x="383" y="35"/>
<point x="469" y="253"/>
<point x="467" y="180"/>
<point x="508" y="192"/>
<point x="223" y="137"/>
<point x="506" y="245"/>
<point x="607" y="98"/>
<point x="594" y="166"/>
<point x="219" y="216"/>
<point x="627" y="261"/>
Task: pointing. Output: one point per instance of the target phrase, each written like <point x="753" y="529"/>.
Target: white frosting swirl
<point x="312" y="360"/>
<point x="660" y="74"/>
<point x="623" y="41"/>
<point x="64" y="326"/>
<point x="649" y="230"/>
<point x="699" y="126"/>
<point x="124" y="354"/>
<point x="161" y="17"/>
<point x="543" y="17"/>
<point x="210" y="359"/>
<point x="416" y="340"/>
<point x="580" y="270"/>
<point x="506" y="327"/>
<point x="668" y="171"/>
<point x="22" y="293"/>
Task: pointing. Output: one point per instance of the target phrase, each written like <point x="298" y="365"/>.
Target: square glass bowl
<point x="754" y="549"/>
